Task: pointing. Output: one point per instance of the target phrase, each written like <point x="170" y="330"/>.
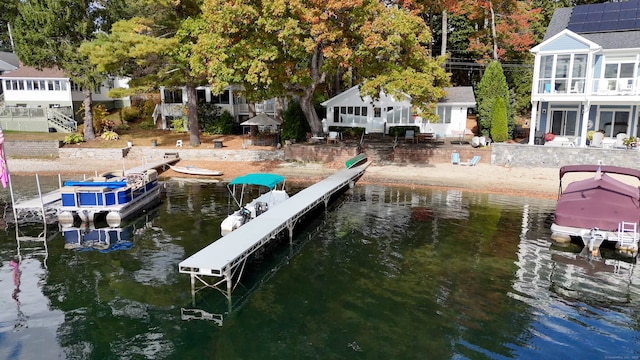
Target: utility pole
<point x="13" y="50"/>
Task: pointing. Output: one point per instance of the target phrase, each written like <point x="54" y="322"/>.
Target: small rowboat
<point x="192" y="170"/>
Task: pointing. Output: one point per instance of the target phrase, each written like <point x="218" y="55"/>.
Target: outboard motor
<point x="246" y="215"/>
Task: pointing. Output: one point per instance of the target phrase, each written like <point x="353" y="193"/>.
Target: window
<point x="619" y="76"/>
<point x="173" y="96"/>
<point x="564" y="122"/>
<point x="562" y="74"/>
<point x="377" y="112"/>
<point x="350" y="114"/>
<point x="444" y="113"/>
<point x="613" y="122"/>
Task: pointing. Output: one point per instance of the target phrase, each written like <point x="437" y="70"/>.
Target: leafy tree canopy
<point x="49" y="32"/>
<point x="277" y="48"/>
<point x="153" y="49"/>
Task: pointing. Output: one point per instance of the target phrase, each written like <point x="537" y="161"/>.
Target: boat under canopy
<point x="597" y="206"/>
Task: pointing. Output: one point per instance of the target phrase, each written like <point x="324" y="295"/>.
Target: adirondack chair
<point x="472" y="162"/>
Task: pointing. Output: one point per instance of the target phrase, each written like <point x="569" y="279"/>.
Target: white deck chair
<point x="596" y="140"/>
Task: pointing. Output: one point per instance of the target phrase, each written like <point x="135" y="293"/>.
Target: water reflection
<point x="87" y="236"/>
<point x="386" y="272"/>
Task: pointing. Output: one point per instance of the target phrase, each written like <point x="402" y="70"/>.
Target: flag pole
<point x="5" y="176"/>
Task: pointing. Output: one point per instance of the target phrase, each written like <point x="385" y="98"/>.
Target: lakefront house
<point x="47" y="100"/>
<point x="350" y="110"/>
<point x="586" y="76"/>
<point x="173" y="102"/>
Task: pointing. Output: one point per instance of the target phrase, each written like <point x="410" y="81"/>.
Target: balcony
<point x="597" y="87"/>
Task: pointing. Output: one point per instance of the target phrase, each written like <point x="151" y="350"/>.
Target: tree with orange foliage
<point x="289" y="47"/>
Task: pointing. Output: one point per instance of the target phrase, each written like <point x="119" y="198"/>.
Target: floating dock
<point x="45" y="206"/>
<point x="224" y="260"/>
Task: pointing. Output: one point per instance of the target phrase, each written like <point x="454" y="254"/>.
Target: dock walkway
<point x="225" y="259"/>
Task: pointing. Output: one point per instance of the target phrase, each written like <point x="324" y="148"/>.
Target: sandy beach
<point x="530" y="182"/>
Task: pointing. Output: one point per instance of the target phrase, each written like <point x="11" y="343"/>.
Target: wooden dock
<point x="225" y="259"/>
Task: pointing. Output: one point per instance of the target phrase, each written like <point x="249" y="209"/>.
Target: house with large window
<point x="587" y="74"/>
<point x="43" y="100"/>
<point x="349" y="109"/>
<point x="173" y="102"/>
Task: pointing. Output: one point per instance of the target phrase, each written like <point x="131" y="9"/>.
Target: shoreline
<point x="529" y="182"/>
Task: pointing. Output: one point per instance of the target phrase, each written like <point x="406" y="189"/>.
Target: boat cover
<point x="268" y="180"/>
<point x="108" y="184"/>
<point x="601" y="202"/>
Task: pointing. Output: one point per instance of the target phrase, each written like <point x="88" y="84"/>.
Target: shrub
<point x="179" y="125"/>
<point x="294" y="125"/>
<point x="73" y="138"/>
<point x="499" y="126"/>
<point x="223" y="124"/>
<point x="147" y="125"/>
<point x="110" y="135"/>
<point x="129" y="114"/>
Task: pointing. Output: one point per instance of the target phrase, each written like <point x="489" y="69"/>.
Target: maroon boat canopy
<point x="603" y="168"/>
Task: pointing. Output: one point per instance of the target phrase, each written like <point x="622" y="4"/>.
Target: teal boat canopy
<point x="268" y="180"/>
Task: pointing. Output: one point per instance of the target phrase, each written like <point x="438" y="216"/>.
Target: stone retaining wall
<point x="33" y="149"/>
<point x="332" y="154"/>
<point x="520" y="155"/>
<point x="516" y="155"/>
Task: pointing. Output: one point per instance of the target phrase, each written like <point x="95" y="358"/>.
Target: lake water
<point x="385" y="273"/>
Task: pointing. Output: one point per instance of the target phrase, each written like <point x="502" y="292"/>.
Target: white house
<point x="39" y="100"/>
<point x="587" y="74"/>
<point x="350" y="109"/>
<point x="173" y="101"/>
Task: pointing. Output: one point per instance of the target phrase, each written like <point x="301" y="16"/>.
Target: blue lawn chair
<point x="455" y="158"/>
<point x="472" y="162"/>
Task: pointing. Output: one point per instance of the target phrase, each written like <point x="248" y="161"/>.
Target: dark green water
<point x="385" y="273"/>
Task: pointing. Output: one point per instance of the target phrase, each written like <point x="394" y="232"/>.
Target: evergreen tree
<point x="499" y="129"/>
<point x="48" y="34"/>
<point x="154" y="49"/>
<point x="492" y="86"/>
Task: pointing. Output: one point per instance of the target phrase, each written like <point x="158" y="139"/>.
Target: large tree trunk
<point x="317" y="77"/>
<point x="87" y="103"/>
<point x="192" y="115"/>
<point x="310" y="114"/>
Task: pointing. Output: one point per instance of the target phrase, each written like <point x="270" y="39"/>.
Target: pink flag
<point x="4" y="172"/>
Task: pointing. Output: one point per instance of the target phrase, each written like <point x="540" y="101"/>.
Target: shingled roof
<point x="8" y="61"/>
<point x="26" y="72"/>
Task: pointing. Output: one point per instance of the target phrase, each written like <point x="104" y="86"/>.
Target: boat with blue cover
<point x="115" y="194"/>
<point x="272" y="193"/>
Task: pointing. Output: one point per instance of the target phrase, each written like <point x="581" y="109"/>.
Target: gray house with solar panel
<point x="587" y="74"/>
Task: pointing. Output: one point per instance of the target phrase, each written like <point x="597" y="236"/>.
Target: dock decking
<point x="225" y="258"/>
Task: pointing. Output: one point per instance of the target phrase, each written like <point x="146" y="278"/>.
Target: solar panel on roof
<point x="604" y="17"/>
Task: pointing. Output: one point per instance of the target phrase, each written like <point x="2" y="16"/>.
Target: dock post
<point x="193" y="290"/>
<point x="229" y="277"/>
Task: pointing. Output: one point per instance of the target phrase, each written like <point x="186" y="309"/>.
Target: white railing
<point x="618" y="86"/>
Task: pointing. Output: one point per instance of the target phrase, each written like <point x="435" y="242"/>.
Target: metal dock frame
<point x="226" y="258"/>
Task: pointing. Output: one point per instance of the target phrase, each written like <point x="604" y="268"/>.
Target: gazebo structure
<point x="262" y="129"/>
